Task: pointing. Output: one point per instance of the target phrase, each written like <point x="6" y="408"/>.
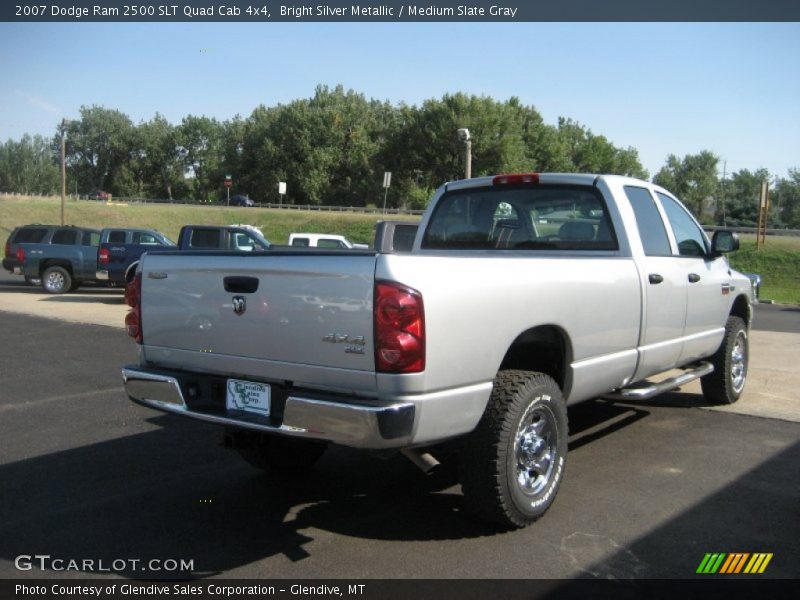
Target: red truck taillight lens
<point x="133" y="320"/>
<point x="102" y="259"/>
<point x="399" y="329"/>
<point x="21" y="255"/>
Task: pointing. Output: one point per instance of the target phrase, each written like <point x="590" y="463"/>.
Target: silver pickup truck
<point x="520" y="295"/>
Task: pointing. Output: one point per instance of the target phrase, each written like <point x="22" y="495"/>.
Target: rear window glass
<point x="91" y="238"/>
<point x="30" y="235"/>
<point x="535" y="217"/>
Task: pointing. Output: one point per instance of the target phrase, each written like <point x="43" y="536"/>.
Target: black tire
<point x="513" y="463"/>
<point x="56" y="280"/>
<point x="726" y="383"/>
<point x="283" y="455"/>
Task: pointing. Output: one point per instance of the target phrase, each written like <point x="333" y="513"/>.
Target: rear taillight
<point x="515" y="178"/>
<point x="102" y="259"/>
<point x="133" y="320"/>
<point x="8" y="249"/>
<point x="399" y="329"/>
<point x="21" y="255"/>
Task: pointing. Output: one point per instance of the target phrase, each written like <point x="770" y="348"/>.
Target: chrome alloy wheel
<point x="535" y="450"/>
<point x="55" y="281"/>
<point x="739" y="362"/>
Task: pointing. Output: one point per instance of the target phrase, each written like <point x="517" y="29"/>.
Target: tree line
<point x="334" y="147"/>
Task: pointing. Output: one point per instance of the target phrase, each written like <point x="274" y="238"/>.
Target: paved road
<point x="649" y="488"/>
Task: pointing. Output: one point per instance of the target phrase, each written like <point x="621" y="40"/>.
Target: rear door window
<point x="204" y="238"/>
<point x="648" y="219"/>
<point x="69" y="237"/>
<point x="116" y="237"/>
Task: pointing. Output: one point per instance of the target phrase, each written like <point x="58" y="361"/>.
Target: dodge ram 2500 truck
<point x="521" y="294"/>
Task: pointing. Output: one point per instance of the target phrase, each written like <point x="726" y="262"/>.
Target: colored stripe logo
<point x="734" y="564"/>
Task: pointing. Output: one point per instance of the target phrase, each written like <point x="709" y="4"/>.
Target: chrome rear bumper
<point x="356" y="424"/>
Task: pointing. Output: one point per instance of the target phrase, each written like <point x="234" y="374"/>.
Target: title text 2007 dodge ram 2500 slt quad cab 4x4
<point x="521" y="294"/>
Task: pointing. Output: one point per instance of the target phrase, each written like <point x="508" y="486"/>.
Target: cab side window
<point x="690" y="238"/>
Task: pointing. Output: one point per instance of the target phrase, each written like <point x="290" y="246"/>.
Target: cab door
<point x="707" y="280"/>
<point x="664" y="288"/>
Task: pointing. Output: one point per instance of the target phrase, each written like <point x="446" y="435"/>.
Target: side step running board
<point x="644" y="391"/>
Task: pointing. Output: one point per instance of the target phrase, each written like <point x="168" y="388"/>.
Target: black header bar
<point x="509" y="11"/>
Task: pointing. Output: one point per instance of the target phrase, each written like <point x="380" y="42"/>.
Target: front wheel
<point x="726" y="383"/>
<point x="513" y="463"/>
<point x="56" y="280"/>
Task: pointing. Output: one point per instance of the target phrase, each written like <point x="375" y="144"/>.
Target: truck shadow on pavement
<point x="172" y="493"/>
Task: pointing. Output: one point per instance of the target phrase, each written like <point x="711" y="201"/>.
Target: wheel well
<point x="55" y="263"/>
<point x="741" y="308"/>
<point x="131" y="271"/>
<point x="543" y="349"/>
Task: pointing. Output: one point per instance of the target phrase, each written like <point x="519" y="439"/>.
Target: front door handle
<point x="694" y="277"/>
<point x="655" y="278"/>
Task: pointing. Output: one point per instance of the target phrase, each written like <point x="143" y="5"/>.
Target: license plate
<point x="248" y="396"/>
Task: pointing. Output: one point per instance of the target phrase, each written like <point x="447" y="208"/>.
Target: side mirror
<point x="724" y="242"/>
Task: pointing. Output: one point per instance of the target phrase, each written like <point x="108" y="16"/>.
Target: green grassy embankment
<point x="778" y="262"/>
<point x="169" y="218"/>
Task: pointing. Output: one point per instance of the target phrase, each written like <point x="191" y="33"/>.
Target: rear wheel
<point x="513" y="463"/>
<point x="279" y="454"/>
<point x="56" y="280"/>
<point x="726" y="383"/>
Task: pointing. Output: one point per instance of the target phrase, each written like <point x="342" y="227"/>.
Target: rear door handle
<point x="655" y="278"/>
<point x="694" y="277"/>
<point x="240" y="285"/>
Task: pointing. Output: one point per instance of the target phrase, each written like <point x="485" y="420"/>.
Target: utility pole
<point x="724" y="175"/>
<point x="464" y="135"/>
<point x="64" y="123"/>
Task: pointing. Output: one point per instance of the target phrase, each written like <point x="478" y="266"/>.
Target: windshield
<point x="534" y="217"/>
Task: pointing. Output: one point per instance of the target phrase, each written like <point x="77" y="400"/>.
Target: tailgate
<point x="263" y="312"/>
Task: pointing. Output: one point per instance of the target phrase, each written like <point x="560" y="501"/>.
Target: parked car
<point x="62" y="259"/>
<point x="323" y="240"/>
<point x="33" y="233"/>
<point x="521" y="294"/>
<point x="98" y="195"/>
<point x="238" y="200"/>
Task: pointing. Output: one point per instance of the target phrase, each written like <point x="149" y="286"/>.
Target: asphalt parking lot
<point x="650" y="487"/>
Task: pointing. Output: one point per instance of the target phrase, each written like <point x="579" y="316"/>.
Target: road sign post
<point x="281" y="191"/>
<point x="228" y="184"/>
<point x="387" y="182"/>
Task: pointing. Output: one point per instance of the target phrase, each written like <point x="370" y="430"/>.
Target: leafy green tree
<point x="30" y="166"/>
<point x="741" y="197"/>
<point x="98" y="146"/>
<point x="693" y="179"/>
<point x="785" y="199"/>
<point x="199" y="143"/>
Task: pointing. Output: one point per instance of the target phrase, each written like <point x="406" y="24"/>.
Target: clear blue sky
<point x="662" y="88"/>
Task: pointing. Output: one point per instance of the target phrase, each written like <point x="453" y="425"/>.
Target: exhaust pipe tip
<point x="424" y="461"/>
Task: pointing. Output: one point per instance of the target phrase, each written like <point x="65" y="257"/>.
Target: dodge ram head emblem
<point x="239" y="305"/>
